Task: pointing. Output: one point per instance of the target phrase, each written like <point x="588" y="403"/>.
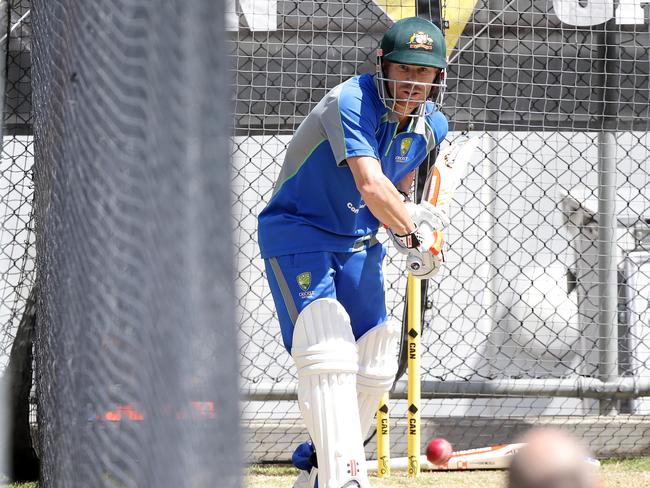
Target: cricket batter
<point x="348" y="170"/>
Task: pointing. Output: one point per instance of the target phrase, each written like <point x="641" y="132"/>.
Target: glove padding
<point x="427" y="220"/>
<point x="423" y="247"/>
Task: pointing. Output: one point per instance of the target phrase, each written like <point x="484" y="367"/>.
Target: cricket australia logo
<point x="404" y="147"/>
<point x="421" y="40"/>
<point x="304" y="282"/>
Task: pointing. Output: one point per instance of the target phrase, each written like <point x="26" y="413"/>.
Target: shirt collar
<point x="416" y="125"/>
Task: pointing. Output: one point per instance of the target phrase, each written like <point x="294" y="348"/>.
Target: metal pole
<point x="607" y="275"/>
<point x="487" y="221"/>
<point x="574" y="387"/>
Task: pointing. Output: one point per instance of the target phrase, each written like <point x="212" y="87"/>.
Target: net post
<point x="607" y="266"/>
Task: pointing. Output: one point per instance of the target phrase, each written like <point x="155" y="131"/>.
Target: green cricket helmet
<point x="413" y="41"/>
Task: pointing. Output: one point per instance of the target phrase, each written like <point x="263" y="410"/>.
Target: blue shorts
<point x="354" y="279"/>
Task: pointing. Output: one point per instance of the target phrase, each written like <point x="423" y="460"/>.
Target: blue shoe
<point x="304" y="458"/>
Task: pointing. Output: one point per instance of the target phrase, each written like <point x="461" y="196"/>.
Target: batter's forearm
<point x="386" y="204"/>
<point x="380" y="195"/>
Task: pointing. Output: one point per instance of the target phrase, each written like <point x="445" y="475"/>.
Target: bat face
<point x="492" y="457"/>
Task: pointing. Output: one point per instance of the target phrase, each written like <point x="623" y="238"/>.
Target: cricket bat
<point x="450" y="167"/>
<point x="445" y="177"/>
<point x="492" y="457"/>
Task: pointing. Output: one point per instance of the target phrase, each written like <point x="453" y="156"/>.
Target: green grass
<point x="614" y="473"/>
<point x="272" y="470"/>
<point x="631" y="464"/>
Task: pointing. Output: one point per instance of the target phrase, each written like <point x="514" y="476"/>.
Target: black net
<point x="136" y="340"/>
<point x="518" y="67"/>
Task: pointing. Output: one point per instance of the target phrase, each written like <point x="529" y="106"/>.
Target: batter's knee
<point x="378" y="358"/>
<point x="323" y="341"/>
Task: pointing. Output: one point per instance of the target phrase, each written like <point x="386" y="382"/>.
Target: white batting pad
<point x="325" y="354"/>
<point x="302" y="481"/>
<point x="377" y="368"/>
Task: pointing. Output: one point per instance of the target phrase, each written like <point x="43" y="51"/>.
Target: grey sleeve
<point x="330" y="118"/>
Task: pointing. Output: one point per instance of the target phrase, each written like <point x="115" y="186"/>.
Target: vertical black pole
<point x="430" y="10"/>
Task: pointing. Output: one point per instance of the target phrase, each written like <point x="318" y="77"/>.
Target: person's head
<point x="551" y="458"/>
<point x="411" y="63"/>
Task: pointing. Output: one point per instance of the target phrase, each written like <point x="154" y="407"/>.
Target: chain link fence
<point x="17" y="250"/>
<point x="16" y="238"/>
<point x="514" y="332"/>
<point x="516" y="327"/>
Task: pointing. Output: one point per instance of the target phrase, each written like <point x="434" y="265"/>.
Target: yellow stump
<point x="383" y="438"/>
<point x="413" y="415"/>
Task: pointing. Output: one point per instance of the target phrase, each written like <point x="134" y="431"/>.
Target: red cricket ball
<point x="439" y="451"/>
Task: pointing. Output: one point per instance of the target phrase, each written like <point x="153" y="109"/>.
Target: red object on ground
<point x="439" y="451"/>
